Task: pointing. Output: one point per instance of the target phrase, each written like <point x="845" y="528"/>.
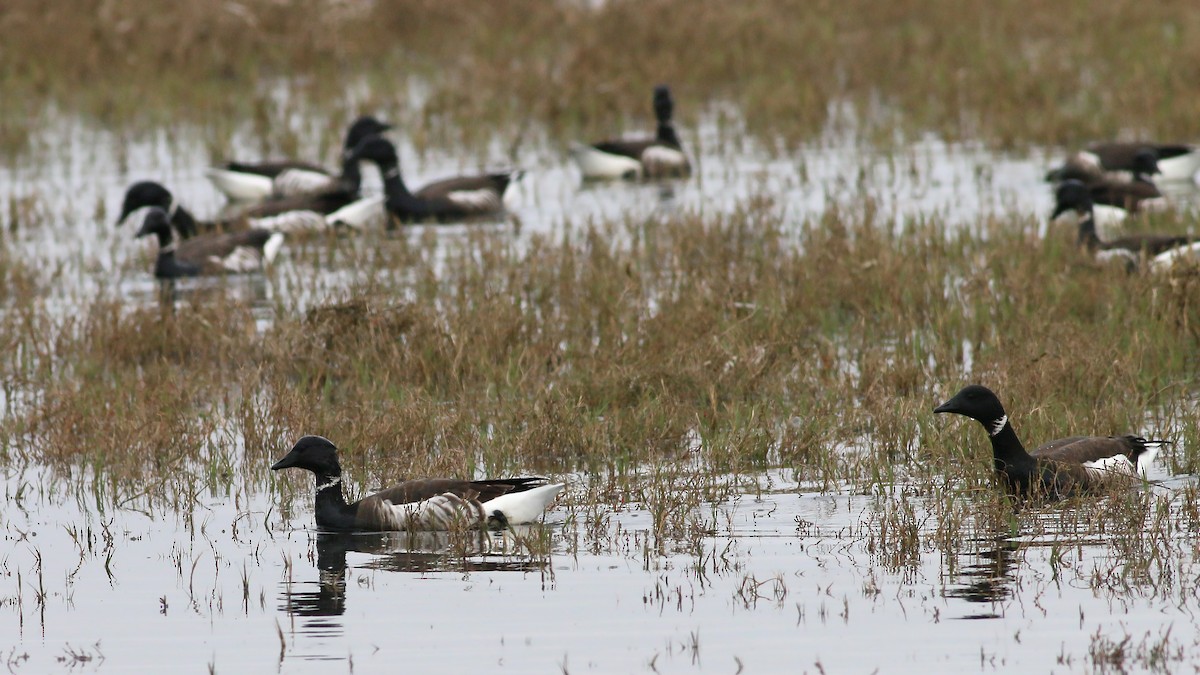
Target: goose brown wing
<point x="1125" y="195"/>
<point x="322" y="202"/>
<point x="273" y="169"/>
<point x="200" y="250"/>
<point x="626" y="148"/>
<point x="483" y="490"/>
<point x="441" y="189"/>
<point x="1152" y="244"/>
<point x="1079" y="449"/>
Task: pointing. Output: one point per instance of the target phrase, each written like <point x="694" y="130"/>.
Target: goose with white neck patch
<point x="1059" y="468"/>
<point x="428" y="504"/>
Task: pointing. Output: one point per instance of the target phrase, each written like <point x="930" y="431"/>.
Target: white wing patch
<point x="594" y="163"/>
<point x="443" y="512"/>
<point x="483" y="200"/>
<point x="241" y="259"/>
<point x="293" y="182"/>
<point x="1110" y="467"/>
<point x="365" y="212"/>
<point x="292" y="222"/>
<point x="659" y="159"/>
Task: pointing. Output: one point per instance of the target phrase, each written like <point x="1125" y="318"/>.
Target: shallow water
<point x="789" y="580"/>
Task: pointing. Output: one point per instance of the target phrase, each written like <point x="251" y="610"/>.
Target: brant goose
<point x="1134" y="193"/>
<point x="1074" y="196"/>
<point x="245" y="181"/>
<point x="290" y="216"/>
<point x="235" y="252"/>
<point x="1175" y="161"/>
<point x="658" y="157"/>
<point x="429" y="504"/>
<point x="1060" y="468"/>
<point x="443" y="200"/>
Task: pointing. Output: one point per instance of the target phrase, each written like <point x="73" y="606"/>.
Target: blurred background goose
<point x="249" y="181"/>
<point x="444" y="200"/>
<point x="658" y="157"/>
<point x="229" y="253"/>
<point x="1117" y="161"/>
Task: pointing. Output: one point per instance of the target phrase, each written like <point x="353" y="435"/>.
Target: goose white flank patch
<point x="249" y="181"/>
<point x="426" y="504"/>
<point x="232" y="253"/>
<point x="1060" y="468"/>
<point x="634" y="158"/>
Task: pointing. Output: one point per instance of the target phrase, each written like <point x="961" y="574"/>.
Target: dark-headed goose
<point x="272" y="216"/>
<point x="658" y="157"/>
<point x="1076" y="197"/>
<point x="1060" y="468"/>
<point x="1117" y="160"/>
<point x="231" y="253"/>
<point x="443" y="200"/>
<point x="247" y="181"/>
<point x="429" y="504"/>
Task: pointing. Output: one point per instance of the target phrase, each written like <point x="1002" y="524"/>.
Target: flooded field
<point x="733" y="373"/>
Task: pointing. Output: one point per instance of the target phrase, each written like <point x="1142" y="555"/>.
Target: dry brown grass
<point x="718" y="344"/>
<point x="1008" y="72"/>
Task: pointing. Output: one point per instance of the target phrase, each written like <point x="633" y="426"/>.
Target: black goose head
<point x="376" y="149"/>
<point x="977" y="402"/>
<point x="1071" y="195"/>
<point x="156" y="222"/>
<point x="145" y="193"/>
<point x="664" y="105"/>
<point x="315" y="453"/>
<point x="1145" y="162"/>
<point x="363" y="127"/>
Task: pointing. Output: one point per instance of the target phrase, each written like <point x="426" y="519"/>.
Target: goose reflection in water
<point x="460" y="551"/>
<point x="991" y="579"/>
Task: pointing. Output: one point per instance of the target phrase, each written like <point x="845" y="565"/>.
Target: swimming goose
<point x="1135" y="193"/>
<point x="658" y="157"/>
<point x="275" y="215"/>
<point x="443" y="200"/>
<point x="428" y="504"/>
<point x="1076" y="197"/>
<point x="246" y="181"/>
<point x="1117" y="160"/>
<point x="1060" y="468"/>
<point x="231" y="253"/>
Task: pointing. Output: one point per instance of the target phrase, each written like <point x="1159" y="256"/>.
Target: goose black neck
<point x="400" y="202"/>
<point x="667" y="135"/>
<point x="331" y="511"/>
<point x="1007" y="449"/>
<point x="1088" y="238"/>
<point x="351" y="174"/>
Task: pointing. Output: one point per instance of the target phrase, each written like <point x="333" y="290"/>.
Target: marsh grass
<point x="1009" y="73"/>
<point x="700" y="346"/>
